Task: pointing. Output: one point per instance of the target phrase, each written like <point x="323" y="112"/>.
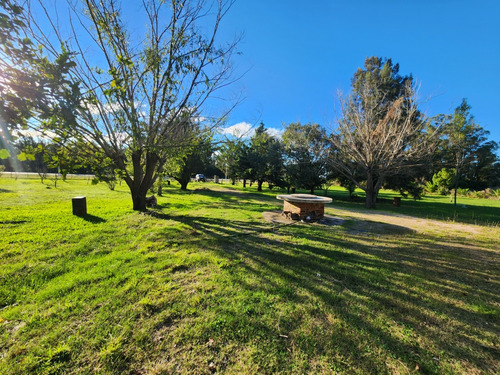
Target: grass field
<point x="204" y="285"/>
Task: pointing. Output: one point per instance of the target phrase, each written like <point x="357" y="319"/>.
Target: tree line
<point x="135" y="109"/>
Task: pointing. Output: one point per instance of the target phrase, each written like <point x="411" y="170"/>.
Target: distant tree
<point x="43" y="157"/>
<point x="407" y="184"/>
<point x="443" y="181"/>
<point x="468" y="151"/>
<point x="32" y="155"/>
<point x="133" y="106"/>
<point x="245" y="162"/>
<point x="381" y="132"/>
<point x="348" y="184"/>
<point x="265" y="159"/>
<point x="306" y="150"/>
<point x="227" y="158"/>
<point x="195" y="159"/>
<point x="483" y="171"/>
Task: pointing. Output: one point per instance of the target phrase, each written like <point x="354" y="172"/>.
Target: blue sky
<point x="299" y="54"/>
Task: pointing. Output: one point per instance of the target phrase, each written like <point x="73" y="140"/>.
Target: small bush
<point x="430" y="187"/>
<point x="443" y="190"/>
<point x="443" y="180"/>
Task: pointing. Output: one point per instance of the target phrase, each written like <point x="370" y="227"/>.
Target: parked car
<point x="200" y="177"/>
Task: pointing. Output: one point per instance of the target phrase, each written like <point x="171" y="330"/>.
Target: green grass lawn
<point x="204" y="285"/>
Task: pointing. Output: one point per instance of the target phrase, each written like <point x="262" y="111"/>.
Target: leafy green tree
<point x="482" y="172"/>
<point x="31" y="155"/>
<point x="466" y="148"/>
<point x="184" y="162"/>
<point x="348" y="184"/>
<point x="443" y="181"/>
<point x="228" y="158"/>
<point x="306" y="149"/>
<point x="264" y="158"/>
<point x="197" y="158"/>
<point x="381" y="132"/>
<point x="134" y="95"/>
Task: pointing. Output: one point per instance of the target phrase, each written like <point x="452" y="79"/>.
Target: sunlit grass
<point x="205" y="285"/>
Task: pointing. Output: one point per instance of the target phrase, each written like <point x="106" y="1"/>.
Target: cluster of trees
<point x="134" y="109"/>
<point x="382" y="140"/>
<point x="296" y="160"/>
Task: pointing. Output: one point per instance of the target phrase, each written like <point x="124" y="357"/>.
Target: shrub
<point x="495" y="193"/>
<point x="414" y="189"/>
<point x="443" y="180"/>
<point x="430" y="187"/>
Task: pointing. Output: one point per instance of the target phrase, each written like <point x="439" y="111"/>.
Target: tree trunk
<point x="139" y="200"/>
<point x="457" y="169"/>
<point x="371" y="193"/>
<point x="288" y="189"/>
<point x="371" y="198"/>
<point x="184" y="184"/>
<point x="244" y="182"/>
<point x="142" y="180"/>
<point x="259" y="185"/>
<point x="312" y="190"/>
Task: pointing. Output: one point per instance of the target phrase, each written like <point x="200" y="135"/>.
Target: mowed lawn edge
<point x="203" y="284"/>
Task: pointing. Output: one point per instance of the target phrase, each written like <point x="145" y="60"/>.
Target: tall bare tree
<point x="135" y="95"/>
<point x="381" y="131"/>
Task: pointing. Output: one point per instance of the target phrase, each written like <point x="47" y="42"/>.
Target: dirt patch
<point x="375" y="220"/>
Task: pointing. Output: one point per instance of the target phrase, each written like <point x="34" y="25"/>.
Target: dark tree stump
<point x="79" y="206"/>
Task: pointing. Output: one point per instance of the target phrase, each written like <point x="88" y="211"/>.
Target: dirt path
<point x="420" y="225"/>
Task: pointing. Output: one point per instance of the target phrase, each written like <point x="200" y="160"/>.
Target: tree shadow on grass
<point x="5" y="191"/>
<point x="93" y="219"/>
<point x="220" y="200"/>
<point x="398" y="296"/>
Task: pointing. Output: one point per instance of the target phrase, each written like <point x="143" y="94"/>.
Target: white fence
<point x="47" y="175"/>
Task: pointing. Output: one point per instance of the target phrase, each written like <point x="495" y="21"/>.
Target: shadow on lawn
<point x="404" y="297"/>
<point x="93" y="219"/>
<point x="226" y="199"/>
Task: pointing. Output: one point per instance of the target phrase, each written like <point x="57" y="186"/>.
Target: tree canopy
<point x="466" y="148"/>
<point x="133" y="97"/>
<point x="306" y="149"/>
<point x="381" y="132"/>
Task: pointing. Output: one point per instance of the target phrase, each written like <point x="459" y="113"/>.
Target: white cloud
<point x="274" y="132"/>
<point x="121" y="138"/>
<point x="240" y="130"/>
<point x="95" y="110"/>
<point x="245" y="130"/>
<point x="36" y="134"/>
